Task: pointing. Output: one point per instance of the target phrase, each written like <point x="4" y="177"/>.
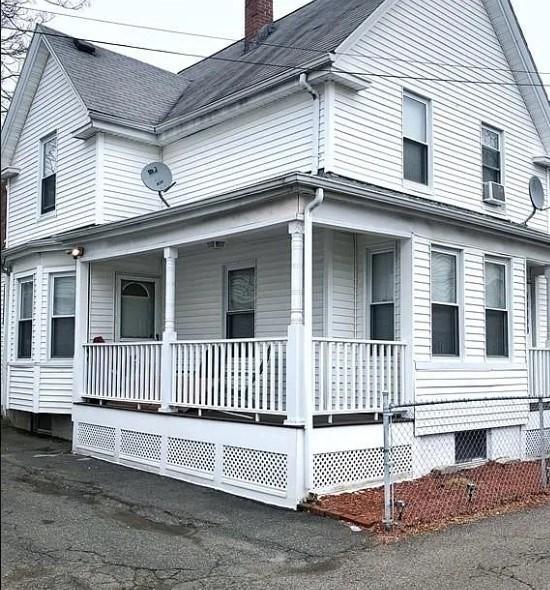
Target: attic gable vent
<point x="83" y="46"/>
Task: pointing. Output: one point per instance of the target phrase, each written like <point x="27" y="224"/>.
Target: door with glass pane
<point x="137" y="308"/>
<point x="240" y="311"/>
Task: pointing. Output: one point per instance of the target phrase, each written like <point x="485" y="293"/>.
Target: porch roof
<point x="294" y="185"/>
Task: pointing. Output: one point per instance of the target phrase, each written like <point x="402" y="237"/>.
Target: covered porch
<point x="216" y="328"/>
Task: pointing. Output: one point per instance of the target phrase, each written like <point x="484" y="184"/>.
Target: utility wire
<point x="286" y="67"/>
<point x="295" y="47"/>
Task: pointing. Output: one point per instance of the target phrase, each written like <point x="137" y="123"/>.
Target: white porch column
<point x="547" y="275"/>
<point x="294" y="355"/>
<point x="82" y="284"/>
<point x="169" y="333"/>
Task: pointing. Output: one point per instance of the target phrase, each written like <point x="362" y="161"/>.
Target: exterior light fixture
<point x="77" y="252"/>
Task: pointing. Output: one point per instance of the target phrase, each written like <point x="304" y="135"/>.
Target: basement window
<point x="470" y="445"/>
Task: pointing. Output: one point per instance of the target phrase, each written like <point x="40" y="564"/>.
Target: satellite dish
<point x="156" y="176"/>
<point x="536" y="192"/>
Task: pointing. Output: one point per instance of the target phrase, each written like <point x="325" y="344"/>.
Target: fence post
<point x="388" y="508"/>
<point x="543" y="474"/>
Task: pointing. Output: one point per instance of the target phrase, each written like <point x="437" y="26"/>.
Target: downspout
<point x="308" y="335"/>
<point x="308" y="290"/>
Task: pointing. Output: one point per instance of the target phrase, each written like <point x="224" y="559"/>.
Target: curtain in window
<point x="495" y="286"/>
<point x="443" y="277"/>
<point x="64" y="296"/>
<point x="240" y="303"/>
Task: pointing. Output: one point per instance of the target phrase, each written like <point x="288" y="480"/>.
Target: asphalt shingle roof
<point x="114" y="84"/>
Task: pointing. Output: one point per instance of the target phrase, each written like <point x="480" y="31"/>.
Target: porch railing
<point x="123" y="371"/>
<point x="350" y="375"/>
<point x="238" y="375"/>
<point x="539" y="371"/>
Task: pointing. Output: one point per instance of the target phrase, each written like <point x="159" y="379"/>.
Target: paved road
<point x="74" y="523"/>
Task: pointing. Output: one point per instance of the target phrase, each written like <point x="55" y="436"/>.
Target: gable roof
<point x="145" y="97"/>
<point x="305" y="34"/>
<point x="110" y="83"/>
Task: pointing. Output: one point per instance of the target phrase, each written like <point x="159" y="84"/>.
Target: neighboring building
<point x="348" y="217"/>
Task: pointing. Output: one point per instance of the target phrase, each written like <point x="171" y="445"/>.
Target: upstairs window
<point x="240" y="303"/>
<point x="445" y="307"/>
<point x="62" y="317"/>
<point x="491" y="149"/>
<point x="24" y="324"/>
<point x="415" y="139"/>
<point x="49" y="170"/>
<point x="382" y="296"/>
<point x="496" y="309"/>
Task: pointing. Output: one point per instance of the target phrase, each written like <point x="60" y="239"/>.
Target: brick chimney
<point x="257" y="14"/>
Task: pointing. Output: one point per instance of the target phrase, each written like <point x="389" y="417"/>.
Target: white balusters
<point x="123" y="371"/>
<point x="350" y="375"/>
<point x="539" y="372"/>
<point x="244" y="375"/>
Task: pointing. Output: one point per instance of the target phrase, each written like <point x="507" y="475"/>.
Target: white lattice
<point x="357" y="465"/>
<point x="532" y="442"/>
<point x="140" y="444"/>
<point x="193" y="454"/>
<point x="259" y="467"/>
<point x="95" y="436"/>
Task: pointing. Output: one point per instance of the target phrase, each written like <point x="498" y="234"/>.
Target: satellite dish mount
<point x="157" y="177"/>
<point x="536" y="192"/>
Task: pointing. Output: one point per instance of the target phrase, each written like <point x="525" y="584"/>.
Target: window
<point x="445" y="309"/>
<point x="382" y="294"/>
<point x="240" y="303"/>
<point x="415" y="139"/>
<point x="137" y="309"/>
<point x="496" y="309"/>
<point x="62" y="317"/>
<point x="491" y="154"/>
<point x="470" y="445"/>
<point x="24" y="329"/>
<point x="49" y="169"/>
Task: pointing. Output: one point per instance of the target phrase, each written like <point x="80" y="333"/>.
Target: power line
<point x="294" y="47"/>
<point x="286" y="67"/>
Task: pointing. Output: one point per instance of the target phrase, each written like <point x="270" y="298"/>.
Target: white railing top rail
<point x="231" y="340"/>
<point x="538" y="349"/>
<point x="138" y="343"/>
<point x="357" y="341"/>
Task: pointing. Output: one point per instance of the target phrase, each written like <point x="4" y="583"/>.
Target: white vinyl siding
<point x="54" y="107"/>
<point x="262" y="144"/>
<point x="122" y="192"/>
<point x="368" y="133"/>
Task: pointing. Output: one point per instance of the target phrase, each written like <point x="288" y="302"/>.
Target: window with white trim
<point x="24" y="320"/>
<point x="491" y="153"/>
<point x="241" y="302"/>
<point x="62" y="316"/>
<point x="49" y="172"/>
<point x="416" y="141"/>
<point x="496" y="309"/>
<point x="382" y="296"/>
<point x="445" y="303"/>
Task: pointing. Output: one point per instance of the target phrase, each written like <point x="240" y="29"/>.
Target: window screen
<point x="415" y="139"/>
<point x="445" y="310"/>
<point x="496" y="310"/>
<point x="24" y="339"/>
<point x="63" y="305"/>
<point x="49" y="172"/>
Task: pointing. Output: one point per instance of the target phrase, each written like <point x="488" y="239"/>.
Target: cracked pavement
<point x="70" y="522"/>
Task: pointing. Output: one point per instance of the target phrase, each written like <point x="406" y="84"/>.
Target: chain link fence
<point x="445" y="460"/>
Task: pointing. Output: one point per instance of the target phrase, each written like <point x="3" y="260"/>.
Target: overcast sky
<point x="225" y="18"/>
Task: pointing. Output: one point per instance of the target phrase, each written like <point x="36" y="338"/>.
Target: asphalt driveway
<point x="72" y="522"/>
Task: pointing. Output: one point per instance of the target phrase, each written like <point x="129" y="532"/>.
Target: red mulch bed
<point x="438" y="499"/>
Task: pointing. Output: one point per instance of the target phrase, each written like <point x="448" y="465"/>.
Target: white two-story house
<point x="351" y="215"/>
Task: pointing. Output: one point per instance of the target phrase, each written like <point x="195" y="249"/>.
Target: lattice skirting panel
<point x="251" y="460"/>
<point x="532" y="442"/>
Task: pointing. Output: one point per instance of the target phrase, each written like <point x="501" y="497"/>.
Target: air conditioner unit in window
<point x="493" y="193"/>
